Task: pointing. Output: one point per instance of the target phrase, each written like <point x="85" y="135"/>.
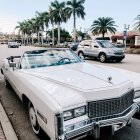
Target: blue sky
<point x="122" y="11"/>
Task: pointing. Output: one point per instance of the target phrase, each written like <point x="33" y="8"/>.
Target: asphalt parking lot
<point x="19" y="116"/>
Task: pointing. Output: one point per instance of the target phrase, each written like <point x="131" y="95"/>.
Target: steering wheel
<point x="63" y="59"/>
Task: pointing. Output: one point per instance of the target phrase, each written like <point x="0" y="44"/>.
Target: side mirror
<point x="12" y="64"/>
<point x="96" y="46"/>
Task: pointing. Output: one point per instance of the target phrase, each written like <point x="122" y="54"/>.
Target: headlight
<point x="137" y="94"/>
<point x="80" y="111"/>
<point x="77" y="112"/>
<point x="68" y="115"/>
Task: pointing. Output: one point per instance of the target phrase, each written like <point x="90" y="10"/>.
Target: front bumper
<point x="93" y="127"/>
<point x="114" y="57"/>
<point x="137" y="100"/>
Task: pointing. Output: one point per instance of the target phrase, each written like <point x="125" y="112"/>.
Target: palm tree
<point x="40" y="25"/>
<point x="75" y="8"/>
<point x="59" y="15"/>
<point x="21" y="31"/>
<point x="137" y="24"/>
<point x="25" y="29"/>
<point x="103" y="25"/>
<point x="52" y="21"/>
<point x="32" y="28"/>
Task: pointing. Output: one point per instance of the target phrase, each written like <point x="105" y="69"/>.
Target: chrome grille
<point x="110" y="108"/>
<point x="119" y="53"/>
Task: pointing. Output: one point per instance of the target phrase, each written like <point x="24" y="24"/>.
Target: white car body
<point x="58" y="89"/>
<point x="13" y="44"/>
<point x="100" y="49"/>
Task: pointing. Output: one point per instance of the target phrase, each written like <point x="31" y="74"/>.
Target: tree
<point x="41" y="21"/>
<point x="32" y="28"/>
<point x="59" y="15"/>
<point x="51" y="15"/>
<point x="80" y="33"/>
<point x="103" y="25"/>
<point x="64" y="35"/>
<point x="75" y="8"/>
<point x="137" y="24"/>
<point x="21" y="30"/>
<point x="25" y="28"/>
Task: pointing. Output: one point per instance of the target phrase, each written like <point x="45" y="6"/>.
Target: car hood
<point x="115" y="49"/>
<point x="133" y="76"/>
<point x="82" y="76"/>
<point x="73" y="84"/>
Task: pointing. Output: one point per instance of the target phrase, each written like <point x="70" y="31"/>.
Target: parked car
<point x="74" y="46"/>
<point x="13" y="44"/>
<point x="101" y="49"/>
<point x="67" y="97"/>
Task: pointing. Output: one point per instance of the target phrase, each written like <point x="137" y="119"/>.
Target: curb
<point x="6" y="125"/>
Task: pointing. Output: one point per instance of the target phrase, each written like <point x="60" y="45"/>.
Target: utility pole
<point x="126" y="28"/>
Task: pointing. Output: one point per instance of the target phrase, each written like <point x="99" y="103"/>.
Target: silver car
<point x="101" y="49"/>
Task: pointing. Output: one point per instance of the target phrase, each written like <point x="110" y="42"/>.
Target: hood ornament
<point x="109" y="79"/>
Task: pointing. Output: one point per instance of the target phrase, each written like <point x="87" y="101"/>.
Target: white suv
<point x="13" y="44"/>
<point x="101" y="49"/>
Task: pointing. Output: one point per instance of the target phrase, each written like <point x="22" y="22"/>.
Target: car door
<point x="13" y="76"/>
<point x="94" y="49"/>
<point x="87" y="48"/>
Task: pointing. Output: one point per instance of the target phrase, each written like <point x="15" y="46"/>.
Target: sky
<point x="122" y="11"/>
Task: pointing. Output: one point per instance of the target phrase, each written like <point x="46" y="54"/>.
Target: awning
<point x="130" y="35"/>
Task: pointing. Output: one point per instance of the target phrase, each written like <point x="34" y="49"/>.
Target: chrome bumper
<point x="94" y="127"/>
<point x="137" y="100"/>
<point x="123" y="119"/>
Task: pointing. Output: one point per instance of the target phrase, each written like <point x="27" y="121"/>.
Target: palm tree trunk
<point x="53" y="33"/>
<point x="22" y="38"/>
<point x="32" y="39"/>
<point x="38" y="37"/>
<point x="74" y="26"/>
<point x="58" y="34"/>
<point x="42" y="37"/>
<point x="27" y="39"/>
<point x="103" y="35"/>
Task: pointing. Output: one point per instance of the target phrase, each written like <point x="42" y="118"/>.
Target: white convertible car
<point x="69" y="98"/>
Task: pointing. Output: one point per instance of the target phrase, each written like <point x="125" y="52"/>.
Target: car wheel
<point x="102" y="58"/>
<point x="81" y="55"/>
<point x="118" y="60"/>
<point x="33" y="119"/>
<point x="7" y="84"/>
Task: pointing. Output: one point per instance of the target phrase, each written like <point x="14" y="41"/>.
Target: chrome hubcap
<point x="102" y="58"/>
<point x="32" y="116"/>
<point x="81" y="55"/>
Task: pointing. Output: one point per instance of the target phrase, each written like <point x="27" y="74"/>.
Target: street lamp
<point x="126" y="28"/>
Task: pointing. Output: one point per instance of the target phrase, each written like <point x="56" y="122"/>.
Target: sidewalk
<point x="2" y="136"/>
<point x="6" y="130"/>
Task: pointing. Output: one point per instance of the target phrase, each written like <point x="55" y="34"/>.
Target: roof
<point x="130" y="34"/>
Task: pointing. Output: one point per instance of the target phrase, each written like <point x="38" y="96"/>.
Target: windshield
<point x="50" y="57"/>
<point x="105" y="44"/>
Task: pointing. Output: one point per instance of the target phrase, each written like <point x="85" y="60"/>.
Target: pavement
<point x="6" y="130"/>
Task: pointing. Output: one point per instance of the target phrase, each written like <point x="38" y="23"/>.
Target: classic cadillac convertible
<point x="69" y="98"/>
